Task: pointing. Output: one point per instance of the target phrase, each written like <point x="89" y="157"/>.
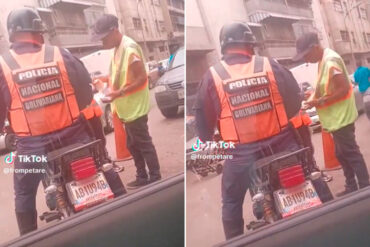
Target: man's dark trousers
<point x="141" y="147"/>
<point x="237" y="176"/>
<point x="350" y="157"/>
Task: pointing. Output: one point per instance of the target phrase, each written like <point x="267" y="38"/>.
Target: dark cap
<point x="304" y="45"/>
<point x="103" y="26"/>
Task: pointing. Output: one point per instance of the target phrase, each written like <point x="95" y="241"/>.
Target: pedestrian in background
<point x="130" y="97"/>
<point x="335" y="104"/>
<point x="361" y="76"/>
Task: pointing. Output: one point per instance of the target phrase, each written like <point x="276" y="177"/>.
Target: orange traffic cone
<point x="330" y="160"/>
<point x="120" y="139"/>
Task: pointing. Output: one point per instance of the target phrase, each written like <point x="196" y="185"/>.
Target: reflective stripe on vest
<point x="252" y="108"/>
<point x="43" y="98"/>
<point x="92" y="110"/>
<point x="322" y="89"/>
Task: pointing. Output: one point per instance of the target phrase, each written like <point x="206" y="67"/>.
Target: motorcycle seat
<point x="278" y="157"/>
<point x="69" y="150"/>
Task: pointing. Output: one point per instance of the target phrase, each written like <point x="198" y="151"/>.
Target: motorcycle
<point x="7" y="138"/>
<point x="74" y="179"/>
<point x="285" y="184"/>
<point x="194" y="160"/>
<point x="203" y="166"/>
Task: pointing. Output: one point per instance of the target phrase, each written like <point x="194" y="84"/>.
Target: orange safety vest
<point x="43" y="99"/>
<point x="252" y="108"/>
<point x="92" y="110"/>
<point x="300" y="119"/>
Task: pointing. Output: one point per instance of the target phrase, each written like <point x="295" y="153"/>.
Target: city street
<point x="203" y="216"/>
<point x="168" y="138"/>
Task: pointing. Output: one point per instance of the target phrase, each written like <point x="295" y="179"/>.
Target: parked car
<point x="153" y="73"/>
<point x="307" y="90"/>
<point x="169" y="92"/>
<point x="7" y="138"/>
<point x="97" y="64"/>
<point x="163" y="66"/>
<point x="107" y="118"/>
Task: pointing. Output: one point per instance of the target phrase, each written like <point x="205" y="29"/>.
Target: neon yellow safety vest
<point x="135" y="104"/>
<point x="340" y="113"/>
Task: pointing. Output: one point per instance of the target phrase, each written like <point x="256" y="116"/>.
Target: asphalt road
<point x="168" y="138"/>
<point x="203" y="216"/>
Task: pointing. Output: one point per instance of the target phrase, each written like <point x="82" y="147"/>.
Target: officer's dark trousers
<point x="350" y="157"/>
<point x="142" y="149"/>
<point x="236" y="178"/>
<point x="26" y="185"/>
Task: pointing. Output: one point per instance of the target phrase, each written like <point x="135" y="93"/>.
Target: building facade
<point x="143" y="21"/>
<point x="68" y="22"/>
<point x="174" y="21"/>
<point x="347" y="26"/>
<point x="278" y="24"/>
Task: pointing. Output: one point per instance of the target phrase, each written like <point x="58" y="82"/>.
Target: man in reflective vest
<point x="130" y="97"/>
<point x="335" y="104"/>
<point x="42" y="91"/>
<point x="250" y="99"/>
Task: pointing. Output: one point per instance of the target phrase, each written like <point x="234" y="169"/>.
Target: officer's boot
<point x="27" y="222"/>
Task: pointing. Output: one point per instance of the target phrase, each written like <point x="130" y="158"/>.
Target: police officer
<point x="43" y="90"/>
<point x="250" y="99"/>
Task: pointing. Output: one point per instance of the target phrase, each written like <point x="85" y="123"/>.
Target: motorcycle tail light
<point x="83" y="168"/>
<point x="291" y="176"/>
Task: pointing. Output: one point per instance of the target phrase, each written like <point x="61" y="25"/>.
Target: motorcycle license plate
<point x="296" y="199"/>
<point x="89" y="192"/>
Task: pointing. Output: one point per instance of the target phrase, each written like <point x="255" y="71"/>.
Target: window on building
<point x="364" y="36"/>
<point x="72" y="19"/>
<point x="337" y="5"/>
<point x="146" y="26"/>
<point x="368" y="37"/>
<point x="150" y="47"/>
<point x="353" y="37"/>
<point x="161" y="26"/>
<point x="161" y="48"/>
<point x="362" y="13"/>
<point x="137" y="23"/>
<point x="344" y="35"/>
<point x="346" y="62"/>
<point x="157" y="26"/>
<point x="368" y="60"/>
